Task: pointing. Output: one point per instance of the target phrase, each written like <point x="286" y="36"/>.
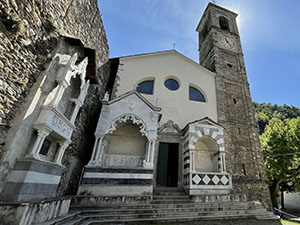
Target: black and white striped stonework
<point x="118" y="176"/>
<point x="32" y="179"/>
<point x="214" y="133"/>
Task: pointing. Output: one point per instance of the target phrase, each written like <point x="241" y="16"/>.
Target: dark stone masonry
<point x="29" y="32"/>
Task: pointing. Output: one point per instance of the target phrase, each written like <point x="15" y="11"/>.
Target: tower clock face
<point x="227" y="42"/>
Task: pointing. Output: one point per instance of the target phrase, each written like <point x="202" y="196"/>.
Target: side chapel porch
<point x="132" y="156"/>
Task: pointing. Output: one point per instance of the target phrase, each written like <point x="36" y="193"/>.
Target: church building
<point x="171" y="122"/>
<point x="94" y="132"/>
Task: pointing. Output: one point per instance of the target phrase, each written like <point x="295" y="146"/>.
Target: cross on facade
<point x="174" y="45"/>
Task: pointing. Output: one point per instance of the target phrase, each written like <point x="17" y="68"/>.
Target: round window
<point x="171" y="84"/>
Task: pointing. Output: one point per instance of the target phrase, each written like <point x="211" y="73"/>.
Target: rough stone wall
<point x="235" y="111"/>
<point x="29" y="32"/>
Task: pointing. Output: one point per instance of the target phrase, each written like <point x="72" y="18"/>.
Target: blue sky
<point x="269" y="30"/>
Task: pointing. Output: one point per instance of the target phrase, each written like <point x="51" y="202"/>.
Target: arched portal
<point x="206" y="155"/>
<point x="125" y="146"/>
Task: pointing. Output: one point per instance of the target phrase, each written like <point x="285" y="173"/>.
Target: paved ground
<point x="218" y="222"/>
<point x="295" y="212"/>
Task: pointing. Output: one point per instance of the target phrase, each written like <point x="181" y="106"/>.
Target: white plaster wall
<point x="175" y="104"/>
<point x="292" y="200"/>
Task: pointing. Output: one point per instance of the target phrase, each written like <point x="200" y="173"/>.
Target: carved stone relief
<point x="123" y="160"/>
<point x="135" y="120"/>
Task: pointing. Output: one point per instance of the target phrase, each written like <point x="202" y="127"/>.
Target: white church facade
<point x="159" y="129"/>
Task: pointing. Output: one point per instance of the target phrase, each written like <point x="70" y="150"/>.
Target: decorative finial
<point x="214" y="1"/>
<point x="174" y="45"/>
<point x="106" y="96"/>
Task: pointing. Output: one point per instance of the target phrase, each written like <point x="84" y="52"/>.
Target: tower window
<point x="224" y="25"/>
<point x="146" y="87"/>
<point x="195" y="95"/>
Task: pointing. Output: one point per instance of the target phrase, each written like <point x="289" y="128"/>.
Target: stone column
<point x="61" y="151"/>
<point x="148" y="162"/>
<point x="42" y="134"/>
<point x="152" y="151"/>
<point x="61" y="88"/>
<point x="192" y="160"/>
<point x="75" y="112"/>
<point x="223" y="164"/>
<point x="99" y="151"/>
<point x="94" y="151"/>
<point x="148" y="152"/>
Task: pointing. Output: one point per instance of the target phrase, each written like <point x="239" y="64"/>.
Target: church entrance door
<point x="167" y="165"/>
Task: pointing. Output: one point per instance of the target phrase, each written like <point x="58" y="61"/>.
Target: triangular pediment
<point x="170" y="127"/>
<point x="130" y="93"/>
<point x="204" y="121"/>
<point x="169" y="53"/>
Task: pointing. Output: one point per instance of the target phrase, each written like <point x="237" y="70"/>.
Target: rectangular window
<point x="45" y="147"/>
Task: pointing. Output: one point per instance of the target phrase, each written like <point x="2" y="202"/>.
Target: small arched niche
<point x="125" y="146"/>
<point x="206" y="155"/>
<point x="224" y="24"/>
<point x="67" y="105"/>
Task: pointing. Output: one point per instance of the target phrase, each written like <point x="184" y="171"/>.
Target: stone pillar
<point x="75" y="112"/>
<point x="42" y="134"/>
<point x="61" y="151"/>
<point x="223" y="164"/>
<point x="94" y="151"/>
<point x="149" y="156"/>
<point x="192" y="160"/>
<point x="99" y="151"/>
<point x="220" y="163"/>
<point x="61" y="88"/>
<point x="152" y="151"/>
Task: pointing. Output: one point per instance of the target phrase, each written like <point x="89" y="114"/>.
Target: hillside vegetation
<point x="264" y="112"/>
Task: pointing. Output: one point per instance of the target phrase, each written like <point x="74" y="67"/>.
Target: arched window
<point x="196" y="95"/>
<point x="224" y="25"/>
<point x="146" y="87"/>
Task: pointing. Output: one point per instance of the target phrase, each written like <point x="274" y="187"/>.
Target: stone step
<point x="167" y="210"/>
<point x="132" y="215"/>
<point x="171" y="201"/>
<point x="169" y="193"/>
<point x="171" y="197"/>
<point x="63" y="219"/>
<point x="176" y="218"/>
<point x="151" y="206"/>
<point x="167" y="189"/>
<point x="75" y="221"/>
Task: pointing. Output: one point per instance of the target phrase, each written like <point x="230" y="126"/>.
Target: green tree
<point x="281" y="144"/>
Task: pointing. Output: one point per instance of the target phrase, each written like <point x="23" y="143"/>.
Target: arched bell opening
<point x="206" y="155"/>
<point x="125" y="146"/>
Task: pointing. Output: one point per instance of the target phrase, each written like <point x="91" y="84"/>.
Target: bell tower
<point x="220" y="51"/>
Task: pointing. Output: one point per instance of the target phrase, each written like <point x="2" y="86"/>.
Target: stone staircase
<point x="168" y="204"/>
